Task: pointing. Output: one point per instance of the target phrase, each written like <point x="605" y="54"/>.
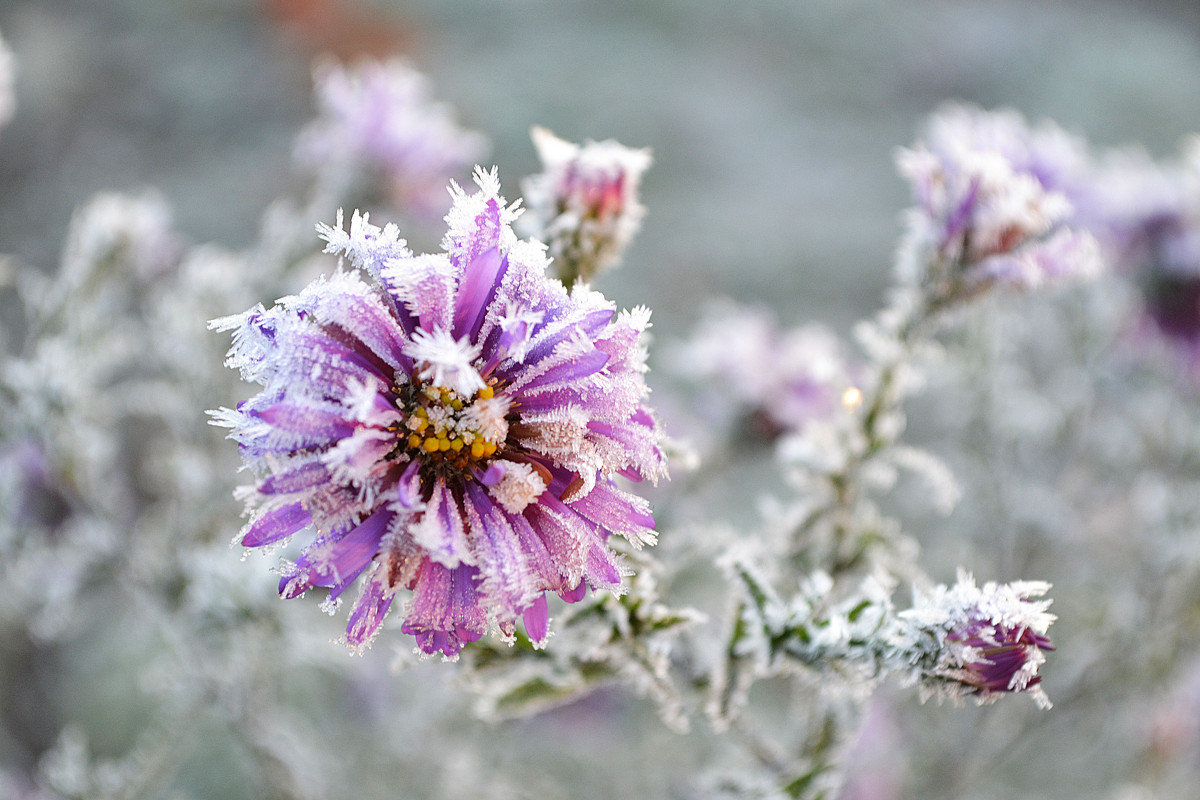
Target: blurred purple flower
<point x="455" y="430"/>
<point x="781" y="380"/>
<point x="1147" y="216"/>
<point x="993" y="204"/>
<point x="380" y="117"/>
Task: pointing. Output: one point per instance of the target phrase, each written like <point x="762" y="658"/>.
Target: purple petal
<point x="575" y="543"/>
<point x="276" y="524"/>
<point x="492" y="475"/>
<point x="538" y="560"/>
<point x="576" y="594"/>
<point x="370" y="609"/>
<point x="337" y="563"/>
<point x="537" y="619"/>
<point x="501" y="562"/>
<point x="476" y="290"/>
<point x="445" y="611"/>
<point x="316" y="425"/>
<point x="408" y="487"/>
<point x="590" y="324"/>
<point x="615" y="511"/>
<point x="441" y="531"/>
<point x="580" y="366"/>
<point x="306" y="476"/>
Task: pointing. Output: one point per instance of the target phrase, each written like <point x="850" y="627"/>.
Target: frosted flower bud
<point x="981" y="641"/>
<point x="382" y="118"/>
<point x="584" y="204"/>
<point x="415" y="423"/>
<point x="992" y="205"/>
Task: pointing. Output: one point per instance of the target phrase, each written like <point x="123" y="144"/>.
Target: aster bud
<point x="584" y="204"/>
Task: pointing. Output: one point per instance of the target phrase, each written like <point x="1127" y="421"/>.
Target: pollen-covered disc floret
<point x="454" y="427"/>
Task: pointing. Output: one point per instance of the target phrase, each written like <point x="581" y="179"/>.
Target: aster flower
<point x="584" y="204"/>
<point x="992" y="206"/>
<point x="381" y="118"/>
<point x="453" y="427"/>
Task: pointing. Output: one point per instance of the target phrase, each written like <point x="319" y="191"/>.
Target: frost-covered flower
<point x="985" y="641"/>
<point x="993" y="205"/>
<point x="381" y="118"/>
<point x="8" y="100"/>
<point x="455" y="430"/>
<point x="584" y="204"/>
<point x="782" y="380"/>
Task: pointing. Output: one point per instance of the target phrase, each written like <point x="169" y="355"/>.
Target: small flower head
<point x="584" y="204"/>
<point x="381" y="118"/>
<point x="453" y="427"/>
<point x="986" y="641"/>
<point x="992" y="205"/>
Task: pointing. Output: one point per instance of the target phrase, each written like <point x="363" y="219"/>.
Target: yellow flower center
<point x="442" y="427"/>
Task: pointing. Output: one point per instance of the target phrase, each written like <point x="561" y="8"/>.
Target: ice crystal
<point x="455" y="430"/>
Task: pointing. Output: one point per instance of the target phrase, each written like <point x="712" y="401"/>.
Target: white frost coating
<point x="487" y="417"/>
<point x="446" y="361"/>
<point x="519" y="487"/>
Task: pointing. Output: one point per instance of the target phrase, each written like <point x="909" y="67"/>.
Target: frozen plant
<point x="955" y="641"/>
<point x="584" y="203"/>
<point x="453" y="427"/>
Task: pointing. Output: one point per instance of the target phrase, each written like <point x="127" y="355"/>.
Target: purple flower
<point x="989" y="640"/>
<point x="993" y="204"/>
<point x="381" y="118"/>
<point x="584" y="204"/>
<point x="455" y="429"/>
